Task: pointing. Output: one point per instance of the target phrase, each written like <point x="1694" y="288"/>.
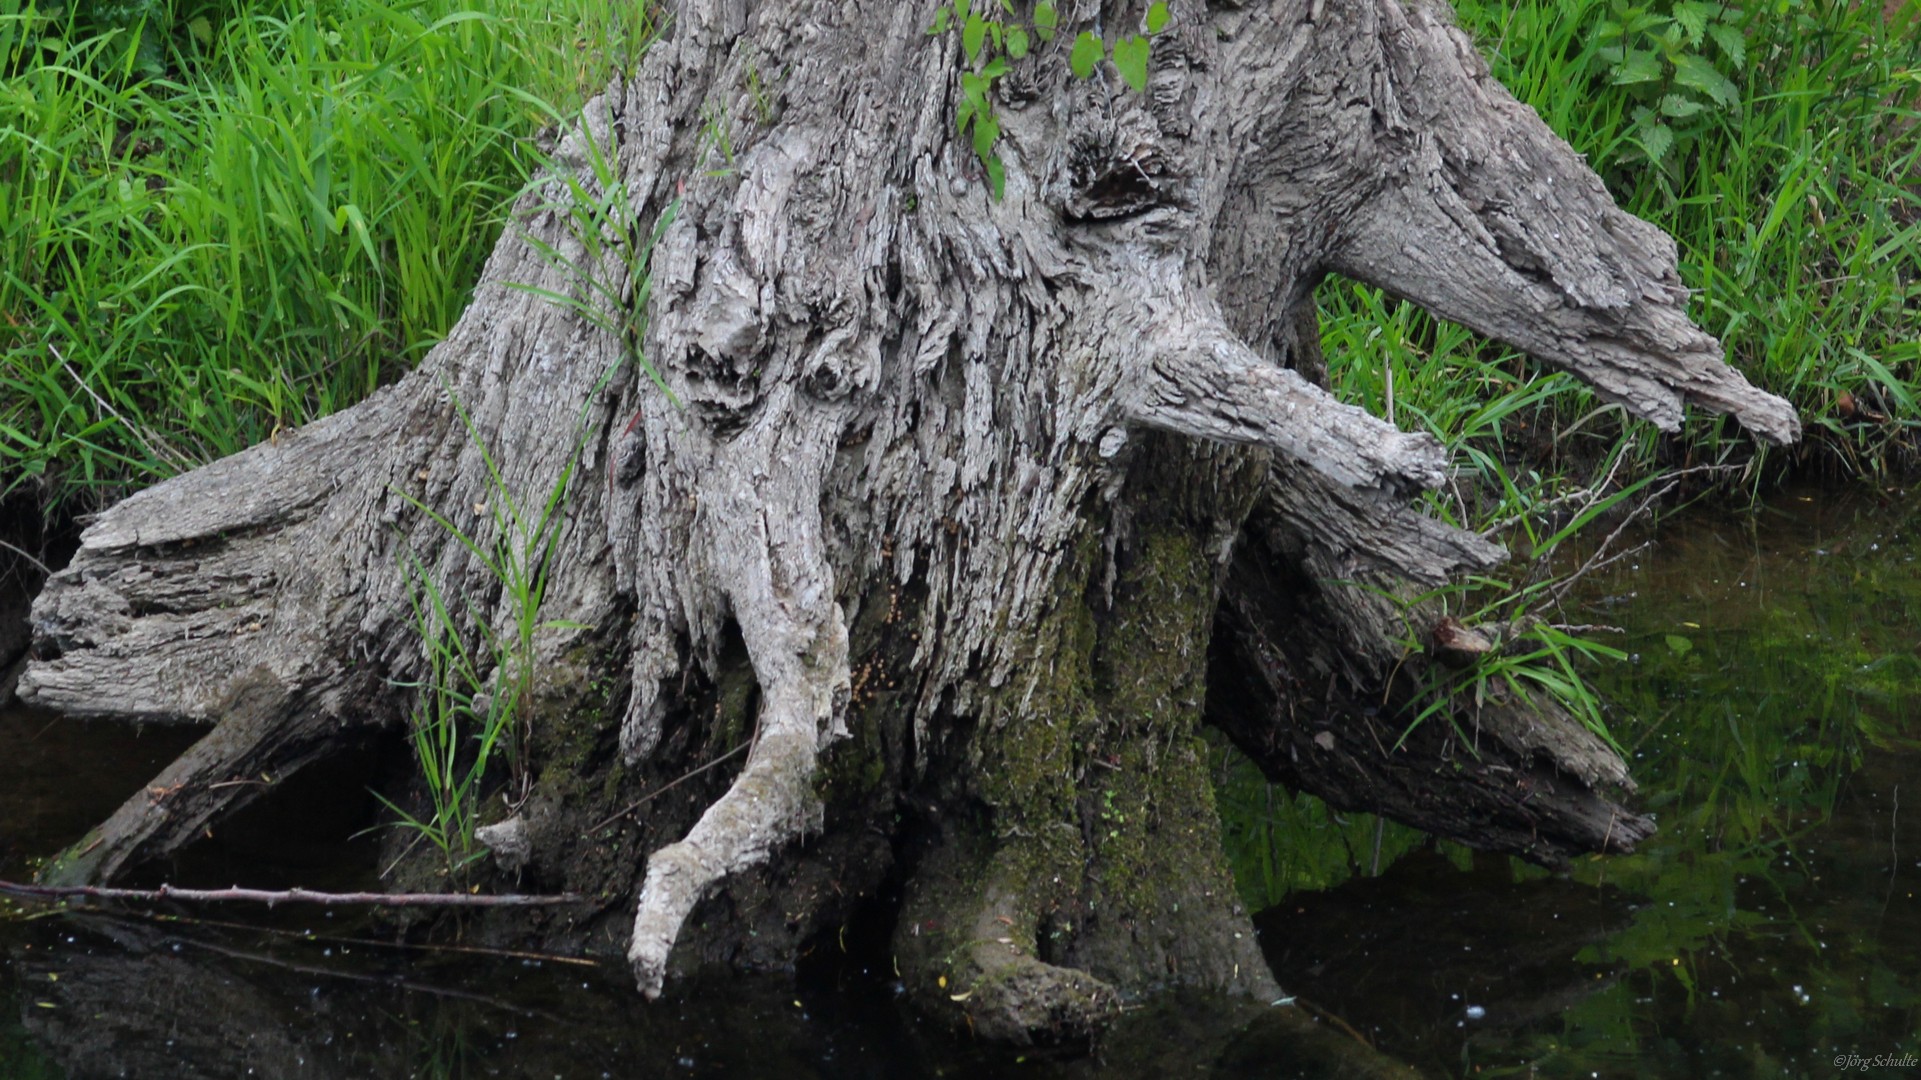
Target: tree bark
<point x="963" y="514"/>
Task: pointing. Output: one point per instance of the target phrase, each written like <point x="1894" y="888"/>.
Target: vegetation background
<point x="222" y="218"/>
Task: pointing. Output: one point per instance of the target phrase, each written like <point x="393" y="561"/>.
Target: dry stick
<point x="25" y="554"/>
<point x="665" y="788"/>
<point x="367" y="943"/>
<point x="288" y="896"/>
<point x="354" y="976"/>
<point x="173" y="457"/>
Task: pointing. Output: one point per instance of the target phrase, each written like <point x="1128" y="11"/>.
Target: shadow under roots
<point x="31" y="545"/>
<point x="318" y="828"/>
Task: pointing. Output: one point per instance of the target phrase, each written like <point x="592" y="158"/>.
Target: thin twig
<point x="368" y="943"/>
<point x="354" y="976"/>
<point x="287" y="896"/>
<point x="172" y="458"/>
<point x="665" y="788"/>
<point x="1595" y="560"/>
<point x="25" y="554"/>
<point x="1590" y="493"/>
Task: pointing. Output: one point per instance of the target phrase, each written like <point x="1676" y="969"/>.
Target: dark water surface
<point x="1771" y="929"/>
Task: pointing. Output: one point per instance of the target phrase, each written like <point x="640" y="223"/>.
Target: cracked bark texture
<point x="963" y="516"/>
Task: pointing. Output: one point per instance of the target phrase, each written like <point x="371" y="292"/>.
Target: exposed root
<point x="796" y="638"/>
<point x="1197" y="377"/>
<point x="770" y="803"/>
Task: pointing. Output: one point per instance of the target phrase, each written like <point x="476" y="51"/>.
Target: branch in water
<point x="288" y="896"/>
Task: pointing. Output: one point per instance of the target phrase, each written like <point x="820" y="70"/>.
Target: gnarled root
<point x="770" y="803"/>
<point x="796" y="637"/>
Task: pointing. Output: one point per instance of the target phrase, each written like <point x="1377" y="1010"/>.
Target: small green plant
<point x="600" y="210"/>
<point x="1674" y="59"/>
<point x="1533" y="655"/>
<point x="993" y="39"/>
<point x="1527" y="653"/>
<point x="472" y="699"/>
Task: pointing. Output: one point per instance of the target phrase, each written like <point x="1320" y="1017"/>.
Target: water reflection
<point x="1772" y="926"/>
<point x="1773" y="713"/>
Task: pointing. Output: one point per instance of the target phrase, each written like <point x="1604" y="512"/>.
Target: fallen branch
<point x="288" y="896"/>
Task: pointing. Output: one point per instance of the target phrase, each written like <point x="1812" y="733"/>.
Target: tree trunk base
<point x="961" y="513"/>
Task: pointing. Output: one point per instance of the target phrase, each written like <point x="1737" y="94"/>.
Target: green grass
<point x="478" y="685"/>
<point x="226" y="220"/>
<point x="1792" y="184"/>
<point x="286" y="218"/>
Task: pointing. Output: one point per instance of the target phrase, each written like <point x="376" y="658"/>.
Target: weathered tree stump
<point x="966" y="512"/>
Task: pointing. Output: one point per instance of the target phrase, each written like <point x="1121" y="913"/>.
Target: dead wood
<point x="952" y="499"/>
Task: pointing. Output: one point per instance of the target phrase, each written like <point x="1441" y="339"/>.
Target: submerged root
<point x="1006" y="993"/>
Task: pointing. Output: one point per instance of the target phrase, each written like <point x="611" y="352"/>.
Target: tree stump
<point x="964" y="514"/>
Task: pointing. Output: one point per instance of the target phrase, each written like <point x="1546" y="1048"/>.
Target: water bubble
<point x="1475" y="1012"/>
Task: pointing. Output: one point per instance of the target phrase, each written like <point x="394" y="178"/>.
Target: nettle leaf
<point x="1156" y="17"/>
<point x="1696" y="73"/>
<point x="1130" y="59"/>
<point x="1679" y="106"/>
<point x="973" y="36"/>
<point x="1733" y="43"/>
<point x="1016" y="42"/>
<point x="1694" y="17"/>
<point x="1656" y="140"/>
<point x="1639" y="66"/>
<point x="1088" y="50"/>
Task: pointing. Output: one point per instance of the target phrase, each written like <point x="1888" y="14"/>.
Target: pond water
<point x="1772" y="713"/>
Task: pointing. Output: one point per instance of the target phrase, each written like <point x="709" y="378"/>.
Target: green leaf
<point x="973" y="36"/>
<point x="995" y="68"/>
<point x="1679" y="106"/>
<point x="1679" y="645"/>
<point x="1656" y="140"/>
<point x="1694" y="16"/>
<point x="1088" y="51"/>
<point x="1641" y="65"/>
<point x="987" y="131"/>
<point x="1733" y="43"/>
<point x="974" y="91"/>
<point x="1130" y="59"/>
<point x="1696" y="73"/>
<point x="1016" y="42"/>
<point x="1156" y="16"/>
<point x="940" y="21"/>
<point x="1046" y="19"/>
<point x="996" y="177"/>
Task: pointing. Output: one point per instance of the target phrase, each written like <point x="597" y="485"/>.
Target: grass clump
<point x="287" y="215"/>
<point x="1780" y="144"/>
<point x="471" y="706"/>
